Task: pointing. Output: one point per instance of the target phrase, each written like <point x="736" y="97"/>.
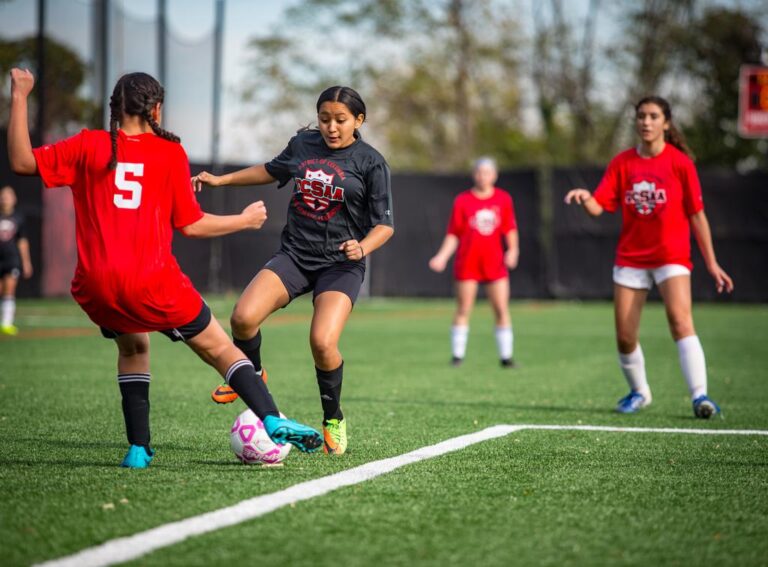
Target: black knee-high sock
<point x="251" y="389"/>
<point x="329" y="382"/>
<point x="252" y="349"/>
<point x="135" y="391"/>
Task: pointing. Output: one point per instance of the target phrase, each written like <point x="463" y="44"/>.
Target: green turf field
<point x="531" y="498"/>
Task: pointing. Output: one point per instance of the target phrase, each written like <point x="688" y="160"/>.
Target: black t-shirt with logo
<point x="11" y="230"/>
<point x="338" y="195"/>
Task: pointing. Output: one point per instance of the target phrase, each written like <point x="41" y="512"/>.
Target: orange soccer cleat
<point x="224" y="394"/>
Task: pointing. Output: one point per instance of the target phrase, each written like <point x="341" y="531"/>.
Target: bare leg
<point x="263" y="296"/>
<point x="332" y="309"/>
<point x="628" y="307"/>
<point x="676" y="293"/>
<point x="466" y="293"/>
<point x="498" y="294"/>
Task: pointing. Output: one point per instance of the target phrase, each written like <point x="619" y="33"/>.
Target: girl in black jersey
<point x="340" y="212"/>
<point x="14" y="258"/>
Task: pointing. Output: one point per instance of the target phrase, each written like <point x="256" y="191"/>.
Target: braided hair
<point x="672" y="135"/>
<point x="135" y="94"/>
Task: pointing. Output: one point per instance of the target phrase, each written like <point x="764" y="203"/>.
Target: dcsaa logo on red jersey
<point x="485" y="221"/>
<point x="317" y="189"/>
<point x="645" y="198"/>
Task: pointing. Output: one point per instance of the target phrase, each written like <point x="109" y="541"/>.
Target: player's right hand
<point x="578" y="196"/>
<point x="255" y="215"/>
<point x="437" y="264"/>
<point x="205" y="178"/>
<point x="22" y="81"/>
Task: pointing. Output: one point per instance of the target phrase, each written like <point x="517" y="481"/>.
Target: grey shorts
<point x="345" y="277"/>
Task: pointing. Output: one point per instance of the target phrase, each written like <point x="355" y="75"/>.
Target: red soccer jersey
<point x="127" y="279"/>
<point x="480" y="225"/>
<point x="657" y="196"/>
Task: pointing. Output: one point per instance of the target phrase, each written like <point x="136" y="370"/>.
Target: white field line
<point x="125" y="549"/>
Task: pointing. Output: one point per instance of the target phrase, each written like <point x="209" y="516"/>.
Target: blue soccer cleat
<point x="137" y="457"/>
<point x="704" y="408"/>
<point x="632" y="402"/>
<point x="282" y="430"/>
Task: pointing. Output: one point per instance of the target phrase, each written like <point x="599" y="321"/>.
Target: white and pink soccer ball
<point x="251" y="443"/>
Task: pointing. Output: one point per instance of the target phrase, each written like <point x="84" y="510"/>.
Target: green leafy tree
<point x="441" y="77"/>
<point x="65" y="73"/>
<point x="712" y="50"/>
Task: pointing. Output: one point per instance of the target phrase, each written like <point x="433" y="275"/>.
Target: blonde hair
<point x="485" y="160"/>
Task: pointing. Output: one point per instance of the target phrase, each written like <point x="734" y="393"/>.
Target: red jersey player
<point x="482" y="220"/>
<point x="131" y="189"/>
<point x="656" y="187"/>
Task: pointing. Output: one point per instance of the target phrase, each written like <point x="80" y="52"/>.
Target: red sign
<point x="753" y="101"/>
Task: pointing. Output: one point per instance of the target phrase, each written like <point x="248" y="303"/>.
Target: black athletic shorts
<point x="183" y="333"/>
<point x="346" y="277"/>
<point x="10" y="268"/>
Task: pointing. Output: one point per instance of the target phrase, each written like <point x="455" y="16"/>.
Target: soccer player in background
<point x="481" y="223"/>
<point x="131" y="188"/>
<point x="340" y="212"/>
<point x="656" y="187"/>
<point x="14" y="258"/>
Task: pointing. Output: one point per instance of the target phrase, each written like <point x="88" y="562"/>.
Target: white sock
<point x="693" y="365"/>
<point x="459" y="337"/>
<point x="505" y="342"/>
<point x="633" y="367"/>
<point x="8" y="311"/>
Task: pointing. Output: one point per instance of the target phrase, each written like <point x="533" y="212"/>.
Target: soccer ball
<point x="251" y="443"/>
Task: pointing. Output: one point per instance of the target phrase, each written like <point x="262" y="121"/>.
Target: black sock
<point x="251" y="389"/>
<point x="252" y="349"/>
<point x="329" y="382"/>
<point x="135" y="391"/>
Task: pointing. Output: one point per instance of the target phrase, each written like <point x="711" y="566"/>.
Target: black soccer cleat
<point x="508" y="363"/>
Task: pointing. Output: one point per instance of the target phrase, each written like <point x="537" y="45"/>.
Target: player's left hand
<point x="723" y="280"/>
<point x="511" y="258"/>
<point x="353" y="250"/>
<point x="27" y="271"/>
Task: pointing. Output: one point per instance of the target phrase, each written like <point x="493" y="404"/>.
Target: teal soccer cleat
<point x="282" y="431"/>
<point x="137" y="457"/>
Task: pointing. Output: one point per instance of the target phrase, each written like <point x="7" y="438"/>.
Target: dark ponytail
<point x="135" y="94"/>
<point x="672" y="135"/>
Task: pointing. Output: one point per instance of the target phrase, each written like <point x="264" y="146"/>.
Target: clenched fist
<point x="255" y="215"/>
<point x="22" y="82"/>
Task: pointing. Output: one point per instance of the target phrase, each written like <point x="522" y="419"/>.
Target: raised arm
<point x="701" y="230"/>
<point x="438" y="262"/>
<point x="584" y="198"/>
<point x="19" y="144"/>
<point x="254" y="175"/>
<point x="209" y="226"/>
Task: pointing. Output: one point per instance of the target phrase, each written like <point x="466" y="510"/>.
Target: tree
<point x="441" y="77"/>
<point x="64" y="75"/>
<point x="712" y="50"/>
